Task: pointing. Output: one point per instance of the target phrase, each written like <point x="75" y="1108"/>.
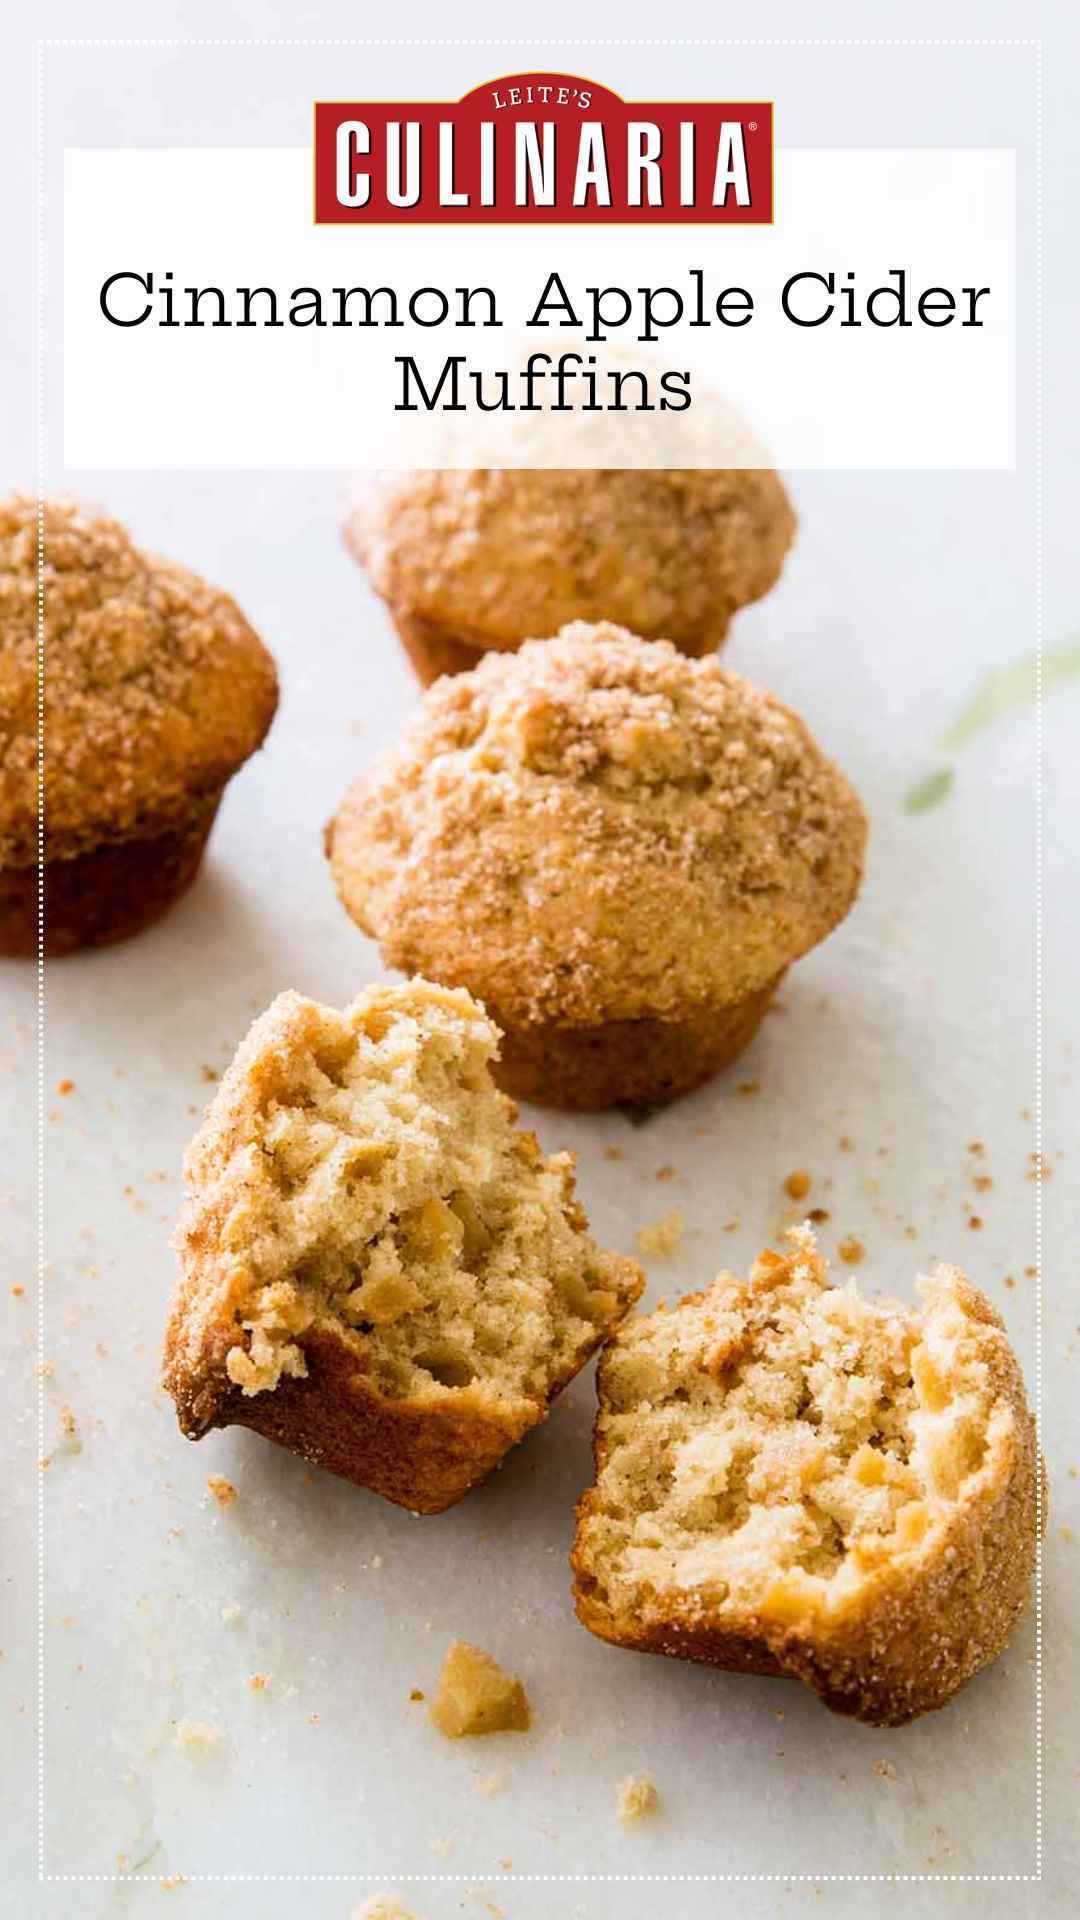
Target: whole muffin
<point x="791" y="1479"/>
<point x="619" y="850"/>
<point x="379" y="1271"/>
<point x="480" y="559"/>
<point x="156" y="690"/>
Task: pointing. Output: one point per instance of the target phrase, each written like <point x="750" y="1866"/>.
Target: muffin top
<point x="156" y="688"/>
<point x="599" y="828"/>
<point x="492" y="555"/>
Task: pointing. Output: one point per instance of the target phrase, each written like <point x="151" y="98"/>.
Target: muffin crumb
<point x="196" y="1733"/>
<point x="797" y="1185"/>
<point x="637" y="1798"/>
<point x="221" y="1490"/>
<point x="661" y="1238"/>
<point x="476" y="1696"/>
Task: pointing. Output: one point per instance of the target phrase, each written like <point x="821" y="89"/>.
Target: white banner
<point x="208" y="323"/>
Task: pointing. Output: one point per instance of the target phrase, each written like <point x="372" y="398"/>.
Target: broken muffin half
<point x="378" y="1270"/>
<point x="792" y="1479"/>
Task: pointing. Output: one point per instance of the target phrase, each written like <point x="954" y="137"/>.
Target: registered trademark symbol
<point x="751" y="126"/>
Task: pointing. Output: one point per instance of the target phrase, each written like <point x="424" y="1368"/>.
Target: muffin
<point x="617" y="849"/>
<point x="794" y="1480"/>
<point x="377" y="1269"/>
<point x="156" y="690"/>
<point x="481" y="559"/>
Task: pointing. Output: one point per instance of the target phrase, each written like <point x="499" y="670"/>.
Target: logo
<point x="544" y="148"/>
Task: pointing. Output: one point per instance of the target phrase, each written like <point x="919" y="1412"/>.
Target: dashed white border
<point x="555" y="1879"/>
<point x="40" y="259"/>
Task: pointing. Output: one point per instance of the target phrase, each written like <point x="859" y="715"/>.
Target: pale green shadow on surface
<point x="999" y="692"/>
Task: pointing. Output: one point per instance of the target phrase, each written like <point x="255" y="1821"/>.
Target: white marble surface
<point x="909" y="1035"/>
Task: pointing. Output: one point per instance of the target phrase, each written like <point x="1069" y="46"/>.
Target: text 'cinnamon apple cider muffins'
<point x="617" y="849"/>
<point x="155" y="691"/>
<point x="483" y="558"/>
<point x="378" y="1270"/>
<point x="791" y="1479"/>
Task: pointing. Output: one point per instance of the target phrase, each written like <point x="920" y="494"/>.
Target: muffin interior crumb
<point x="477" y="1696"/>
<point x="771" y="1443"/>
<point x="360" y="1171"/>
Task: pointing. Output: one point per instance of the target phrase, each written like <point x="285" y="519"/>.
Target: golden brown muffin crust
<point x="156" y="687"/>
<point x="792" y="1480"/>
<point x="598" y="828"/>
<point x="492" y="555"/>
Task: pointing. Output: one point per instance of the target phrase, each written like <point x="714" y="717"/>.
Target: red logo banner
<point x="545" y="148"/>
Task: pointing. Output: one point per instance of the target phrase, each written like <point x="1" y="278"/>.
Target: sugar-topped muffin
<point x="378" y="1270"/>
<point x="791" y="1479"/>
<point x="474" y="559"/>
<point x="156" y="689"/>
<point x="618" y="849"/>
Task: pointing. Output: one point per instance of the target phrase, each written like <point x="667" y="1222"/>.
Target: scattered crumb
<point x="884" y="1769"/>
<point x="18" y="1292"/>
<point x="258" y="1682"/>
<point x="385" y="1906"/>
<point x="797" y="1184"/>
<point x="209" y="1074"/>
<point x="67" y="1420"/>
<point x="732" y="1225"/>
<point x="851" y="1250"/>
<point x="974" y="1222"/>
<point x="66" y="1086"/>
<point x="1009" y="1281"/>
<point x="1040" y="1168"/>
<point x="1068" y="1535"/>
<point x="1031" y="1273"/>
<point x="666" y="1172"/>
<point x="982" y="1182"/>
<point x="911" y="1233"/>
<point x="661" y="1238"/>
<point x="845" y="1143"/>
<point x="442" y="1846"/>
<point x="491" y="1783"/>
<point x="613" y="1153"/>
<point x="976" y="1148"/>
<point x="749" y="1087"/>
<point x="417" y="1693"/>
<point x="637" y="1798"/>
<point x="477" y="1696"/>
<point x="196" y="1733"/>
<point x="172" y="1881"/>
<point x="223" y="1490"/>
<point x="818" y="1215"/>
